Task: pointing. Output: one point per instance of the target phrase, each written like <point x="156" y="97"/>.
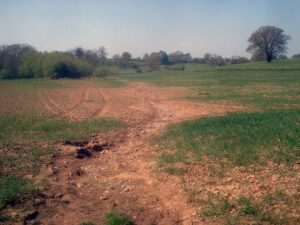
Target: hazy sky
<point x="139" y="26"/>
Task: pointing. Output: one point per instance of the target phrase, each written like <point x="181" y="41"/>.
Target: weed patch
<point x="112" y="218"/>
<point x="11" y="189"/>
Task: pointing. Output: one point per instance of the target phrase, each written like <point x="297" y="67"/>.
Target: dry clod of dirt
<point x="30" y="216"/>
<point x="82" y="153"/>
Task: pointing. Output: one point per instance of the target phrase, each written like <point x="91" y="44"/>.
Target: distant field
<point x="282" y="65"/>
<point x="261" y="89"/>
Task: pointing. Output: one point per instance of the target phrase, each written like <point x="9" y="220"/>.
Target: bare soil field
<point x="122" y="173"/>
<point x="123" y="177"/>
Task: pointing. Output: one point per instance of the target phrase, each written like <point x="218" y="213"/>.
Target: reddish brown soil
<point x="122" y="178"/>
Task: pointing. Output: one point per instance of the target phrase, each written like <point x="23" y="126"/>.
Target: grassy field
<point x="256" y="87"/>
<point x="266" y="133"/>
<point x="242" y="138"/>
<point x="262" y="140"/>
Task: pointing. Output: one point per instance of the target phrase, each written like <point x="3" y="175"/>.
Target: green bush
<point x="6" y="74"/>
<point x="101" y="72"/>
<point x="175" y="67"/>
<point x="53" y="65"/>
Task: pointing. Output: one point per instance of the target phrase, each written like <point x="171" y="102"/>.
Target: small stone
<point x="39" y="201"/>
<point x="274" y="178"/>
<point x="66" y="198"/>
<point x="49" y="171"/>
<point x="29" y="176"/>
<point x="58" y="195"/>
<point x="31" y="216"/>
<point x="103" y="197"/>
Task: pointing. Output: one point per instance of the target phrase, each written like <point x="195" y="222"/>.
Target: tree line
<point x="24" y="61"/>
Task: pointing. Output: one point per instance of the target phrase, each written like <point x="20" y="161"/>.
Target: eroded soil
<point x="123" y="176"/>
<point x="119" y="171"/>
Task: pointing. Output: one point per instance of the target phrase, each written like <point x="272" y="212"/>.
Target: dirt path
<point x="123" y="177"/>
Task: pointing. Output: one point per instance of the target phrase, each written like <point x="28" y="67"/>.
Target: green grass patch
<point x="112" y="218"/>
<point x="16" y="128"/>
<point x="240" y="137"/>
<point x="171" y="158"/>
<point x="282" y="65"/>
<point x="110" y="82"/>
<point x="247" y="208"/>
<point x="216" y="205"/>
<point x="11" y="189"/>
<point x="264" y="90"/>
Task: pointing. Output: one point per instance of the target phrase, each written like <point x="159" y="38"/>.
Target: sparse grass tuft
<point x="240" y="211"/>
<point x="112" y="218"/>
<point x="11" y="189"/>
<point x="247" y="208"/>
<point x="216" y="205"/>
<point x="171" y="158"/>
<point x="87" y="223"/>
<point x="175" y="170"/>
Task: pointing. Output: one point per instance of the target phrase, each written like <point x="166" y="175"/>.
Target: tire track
<point x="52" y="105"/>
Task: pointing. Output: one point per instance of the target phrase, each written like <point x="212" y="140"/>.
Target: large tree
<point x="154" y="60"/>
<point x="268" y="41"/>
<point x="124" y="60"/>
<point x="102" y="55"/>
<point x="10" y="59"/>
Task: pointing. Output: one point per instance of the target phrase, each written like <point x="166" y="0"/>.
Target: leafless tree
<point x="116" y="59"/>
<point x="125" y="60"/>
<point x="153" y="61"/>
<point x="91" y="57"/>
<point x="268" y="41"/>
<point x="102" y="54"/>
<point x="180" y="57"/>
<point x="238" y="60"/>
<point x="79" y="52"/>
<point x="214" y="60"/>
